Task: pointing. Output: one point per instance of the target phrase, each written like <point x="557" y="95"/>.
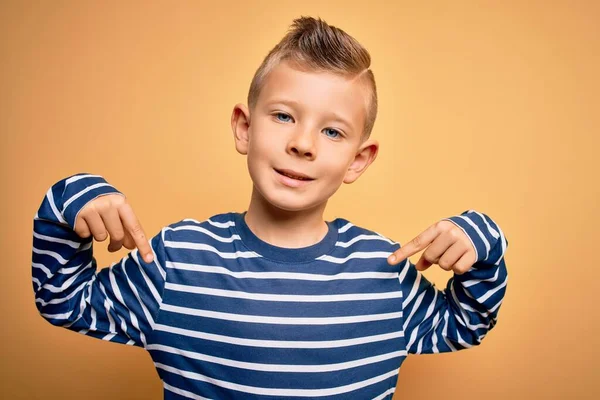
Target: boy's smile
<point x="293" y="178"/>
<point x="304" y="136"/>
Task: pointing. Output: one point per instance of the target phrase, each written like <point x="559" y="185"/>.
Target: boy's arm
<point x="119" y="303"/>
<point x="460" y="316"/>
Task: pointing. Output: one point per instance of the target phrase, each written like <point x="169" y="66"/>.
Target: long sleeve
<point x="117" y="304"/>
<point x="460" y="316"/>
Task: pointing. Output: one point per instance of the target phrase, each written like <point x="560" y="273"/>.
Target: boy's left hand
<point x="447" y="245"/>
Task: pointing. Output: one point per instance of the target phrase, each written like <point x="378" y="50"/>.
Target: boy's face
<point x="306" y="122"/>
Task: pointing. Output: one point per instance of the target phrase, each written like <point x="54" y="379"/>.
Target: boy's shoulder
<point x="218" y="223"/>
<point x="361" y="237"/>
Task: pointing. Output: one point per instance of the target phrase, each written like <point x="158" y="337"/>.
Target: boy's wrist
<point x="80" y="189"/>
<point x="476" y="227"/>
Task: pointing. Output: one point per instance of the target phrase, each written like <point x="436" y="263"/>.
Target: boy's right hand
<point x="111" y="215"/>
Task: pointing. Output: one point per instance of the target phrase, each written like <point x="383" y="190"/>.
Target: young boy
<point x="274" y="302"/>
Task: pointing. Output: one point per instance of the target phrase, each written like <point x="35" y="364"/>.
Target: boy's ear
<point x="366" y="154"/>
<point x="240" y="123"/>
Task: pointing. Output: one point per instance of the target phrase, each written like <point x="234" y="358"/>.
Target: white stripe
<point x="149" y="283"/>
<point x="280" y="344"/>
<point x="492" y="231"/>
<point x="58" y="316"/>
<point x="281" y="275"/>
<point x="161" y="270"/>
<point x="434" y="338"/>
<point x="229" y="239"/>
<point x="404" y="271"/>
<point x="386" y="239"/>
<point x="67" y="283"/>
<point x="481" y="235"/>
<point x="465" y="317"/>
<point x="82" y="192"/>
<point x="503" y="244"/>
<point x="345" y="227"/>
<point x="112" y="306"/>
<point x="132" y="317"/>
<point x="445" y="331"/>
<point x="94" y="319"/>
<point x="500" y="234"/>
<point x="83" y="300"/>
<point x="472" y="282"/>
<point x="78" y="177"/>
<point x="86" y="246"/>
<point x="467" y="307"/>
<point x="53" y="254"/>
<point x="108" y="337"/>
<point x="385" y="394"/>
<point x="112" y="327"/>
<point x="434" y="325"/>
<point x="357" y="254"/>
<point x="462" y="341"/>
<point x="258" y="319"/>
<point x="202" y="246"/>
<point x="430" y="310"/>
<point x="57" y="213"/>
<point x="61" y="299"/>
<point x="282" y="297"/>
<point x="414" y="309"/>
<point x="37" y="282"/>
<point x="71" y="243"/>
<point x="68" y="270"/>
<point x="491" y="292"/>
<point x="362" y="237"/>
<point x="119" y="297"/>
<point x="493" y="309"/>
<point x="413" y="291"/>
<point x="226" y="224"/>
<point x="43" y="268"/>
<point x="182" y="392"/>
<point x="470" y="240"/>
<point x="147" y="314"/>
<point x="276" y="391"/>
<point x="278" y="367"/>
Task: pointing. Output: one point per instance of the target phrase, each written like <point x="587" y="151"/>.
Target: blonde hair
<point x="313" y="45"/>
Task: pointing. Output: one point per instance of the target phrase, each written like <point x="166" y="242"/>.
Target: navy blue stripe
<point x="256" y="331"/>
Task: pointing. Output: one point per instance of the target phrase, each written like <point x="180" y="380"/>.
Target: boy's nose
<point x="303" y="144"/>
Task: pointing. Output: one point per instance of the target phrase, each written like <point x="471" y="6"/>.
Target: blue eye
<point x="332" y="130"/>
<point x="285" y="115"/>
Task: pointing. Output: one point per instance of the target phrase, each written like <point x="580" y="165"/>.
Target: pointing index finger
<point x="133" y="226"/>
<point x="414" y="246"/>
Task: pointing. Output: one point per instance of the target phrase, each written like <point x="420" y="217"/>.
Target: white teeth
<point x="293" y="177"/>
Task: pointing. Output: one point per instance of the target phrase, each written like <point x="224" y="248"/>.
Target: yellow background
<point x="486" y="105"/>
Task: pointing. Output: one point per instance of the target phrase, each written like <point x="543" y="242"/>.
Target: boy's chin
<point x="295" y="204"/>
<point x="289" y="200"/>
<point x="293" y="207"/>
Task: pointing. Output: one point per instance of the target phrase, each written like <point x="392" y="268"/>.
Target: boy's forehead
<point x="345" y="97"/>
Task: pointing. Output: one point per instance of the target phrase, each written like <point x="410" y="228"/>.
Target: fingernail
<point x="392" y="258"/>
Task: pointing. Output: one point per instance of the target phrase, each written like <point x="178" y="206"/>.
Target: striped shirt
<point x="225" y="315"/>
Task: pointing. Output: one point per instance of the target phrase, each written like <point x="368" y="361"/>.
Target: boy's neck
<point x="281" y="228"/>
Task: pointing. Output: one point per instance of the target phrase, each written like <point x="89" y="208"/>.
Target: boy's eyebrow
<point x="293" y="103"/>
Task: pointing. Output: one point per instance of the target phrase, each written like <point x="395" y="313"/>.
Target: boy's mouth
<point x="294" y="175"/>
